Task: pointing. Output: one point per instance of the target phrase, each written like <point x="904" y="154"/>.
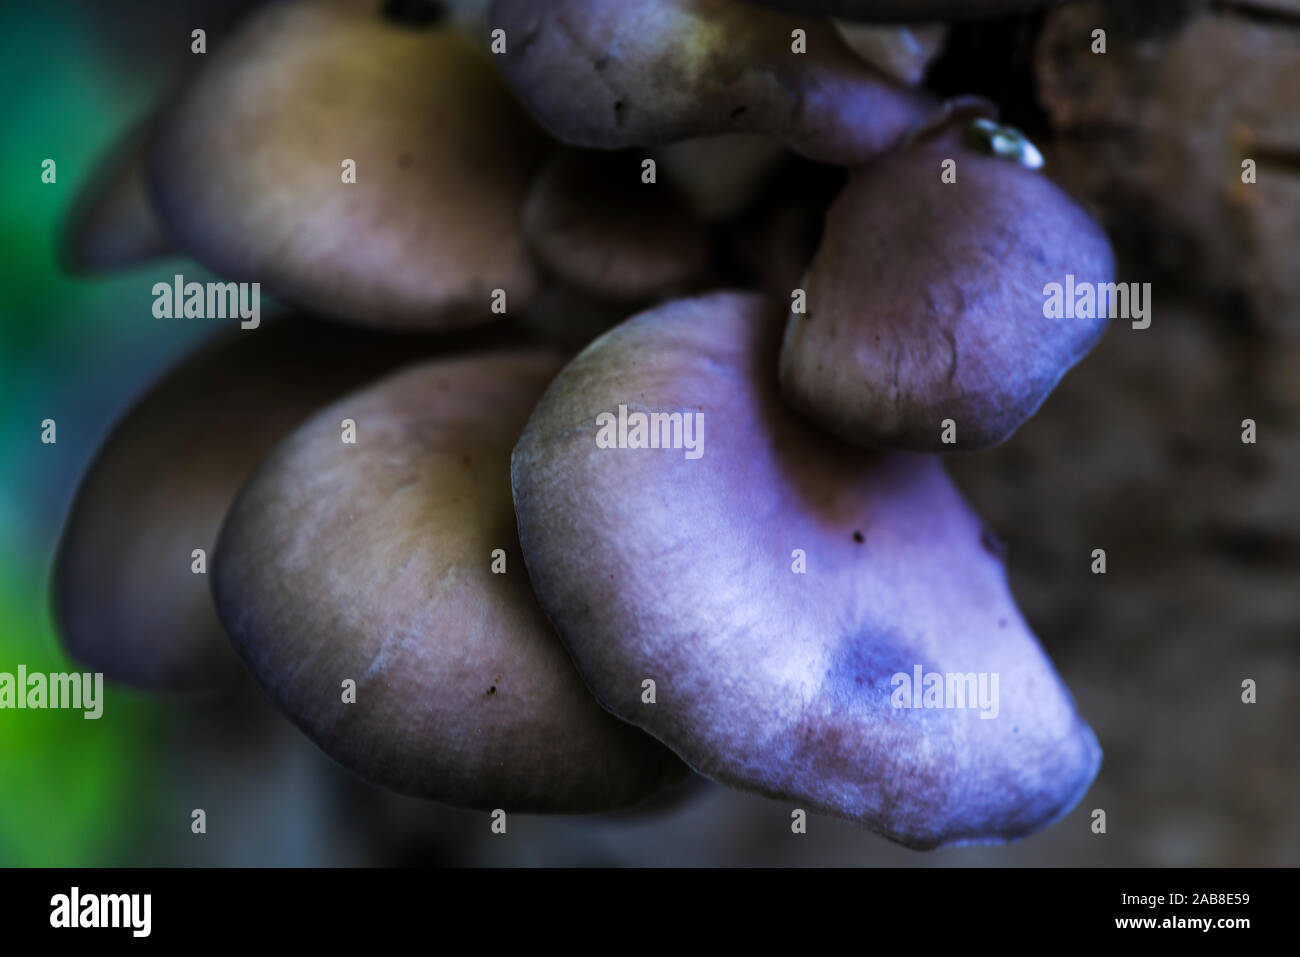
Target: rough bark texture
<point x="1155" y="131"/>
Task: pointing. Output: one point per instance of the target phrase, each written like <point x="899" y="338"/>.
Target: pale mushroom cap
<point x="248" y="168"/>
<point x="649" y="72"/>
<point x="903" y="52"/>
<point x="925" y="302"/>
<point x="126" y="599"/>
<point x="655" y="565"/>
<point x="909" y="11"/>
<point x="113" y="223"/>
<point x="373" y="562"/>
<point x="593" y="222"/>
<point x="721" y="175"/>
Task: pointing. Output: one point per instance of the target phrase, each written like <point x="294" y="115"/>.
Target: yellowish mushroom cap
<point x="250" y="168"/>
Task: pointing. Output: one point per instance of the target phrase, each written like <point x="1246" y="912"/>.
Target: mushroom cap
<point x="909" y="11"/>
<point x="903" y="52"/>
<point x="653" y="565"/>
<point x="372" y="562"/>
<point x="926" y="299"/>
<point x="247" y="168"/>
<point x="649" y="72"/>
<point x="591" y="220"/>
<point x="125" y="598"/>
<point x="112" y="223"/>
<point x="722" y="174"/>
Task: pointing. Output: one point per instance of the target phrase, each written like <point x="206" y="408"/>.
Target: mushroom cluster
<point x="601" y="438"/>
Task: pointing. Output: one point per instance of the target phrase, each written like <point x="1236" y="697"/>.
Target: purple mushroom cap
<point x="393" y="563"/>
<point x="649" y="72"/>
<point x="779" y="589"/>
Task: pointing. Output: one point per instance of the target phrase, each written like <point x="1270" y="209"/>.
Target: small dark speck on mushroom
<point x="738" y="112"/>
<point x="492" y="690"/>
<point x="992" y="544"/>
<point x="857" y="537"/>
<point x="404" y="161"/>
<point x="465" y="460"/>
<point x="1002" y="623"/>
<point x="619" y="115"/>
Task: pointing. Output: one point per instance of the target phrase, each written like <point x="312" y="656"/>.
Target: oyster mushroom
<point x="649" y="72"/>
<point x="248" y="167"/>
<point x="592" y="221"/>
<point x="721" y="175"/>
<point x="903" y="52"/>
<point x="127" y="599"/>
<point x="909" y="11"/>
<point x="926" y="300"/>
<point x="374" y="562"/>
<point x="113" y="223"/>
<point x="659" y="565"/>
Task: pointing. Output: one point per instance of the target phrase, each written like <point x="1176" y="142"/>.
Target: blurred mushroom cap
<point x="903" y="52"/>
<point x="598" y="227"/>
<point x="374" y="563"/>
<point x="249" y="166"/>
<point x="776" y="586"/>
<point x="126" y="598"/>
<point x="722" y="174"/>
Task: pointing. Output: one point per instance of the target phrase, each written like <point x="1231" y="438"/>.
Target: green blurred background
<point x="77" y="351"/>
